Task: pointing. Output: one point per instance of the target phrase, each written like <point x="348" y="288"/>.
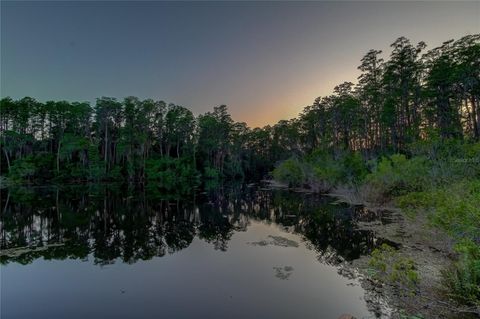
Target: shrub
<point x="22" y="169"/>
<point x="451" y="159"/>
<point x="37" y="166"/>
<point x="344" y="168"/>
<point x="455" y="209"/>
<point x="397" y="175"/>
<point x="463" y="278"/>
<point x="328" y="172"/>
<point x="291" y="172"/>
<point x="354" y="168"/>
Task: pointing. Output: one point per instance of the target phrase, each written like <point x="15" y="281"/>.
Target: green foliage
<point x="211" y="173"/>
<point x="291" y="172"/>
<point x="450" y="159"/>
<point x="321" y="168"/>
<point x="170" y="173"/>
<point x="448" y="189"/>
<point x="397" y="175"/>
<point x="354" y="167"/>
<point x="392" y="268"/>
<point x="115" y="173"/>
<point x="22" y="169"/>
<point x="344" y="168"/>
<point x="422" y="107"/>
<point x="96" y="169"/>
<point x="114" y="140"/>
<point x="325" y="167"/>
<point x="463" y="277"/>
<point x="455" y="209"/>
<point x="411" y="97"/>
<point x="70" y="145"/>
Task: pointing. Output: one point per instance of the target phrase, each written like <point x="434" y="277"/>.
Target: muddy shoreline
<point x="431" y="251"/>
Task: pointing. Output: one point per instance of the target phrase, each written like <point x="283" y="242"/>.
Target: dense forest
<point x="412" y="96"/>
<point x="407" y="132"/>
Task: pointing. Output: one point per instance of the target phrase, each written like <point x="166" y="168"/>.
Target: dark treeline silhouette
<point x="110" y="222"/>
<point x="412" y="95"/>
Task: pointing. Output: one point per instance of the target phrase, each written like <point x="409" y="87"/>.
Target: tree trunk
<point x="106" y="148"/>
<point x="6" y="204"/>
<point x="58" y="156"/>
<point x="8" y="158"/>
<point x="475" y="118"/>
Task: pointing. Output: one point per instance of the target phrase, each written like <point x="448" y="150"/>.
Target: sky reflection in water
<point x="228" y="253"/>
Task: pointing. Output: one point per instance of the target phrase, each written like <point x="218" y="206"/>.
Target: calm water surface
<point x="241" y="252"/>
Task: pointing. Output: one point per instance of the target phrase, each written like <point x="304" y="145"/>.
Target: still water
<point x="238" y="252"/>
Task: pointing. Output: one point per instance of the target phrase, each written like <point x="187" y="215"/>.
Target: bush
<point x="451" y="159"/>
<point x="344" y="168"/>
<point x="397" y="175"/>
<point x="38" y="166"/>
<point x="455" y="209"/>
<point x="354" y="168"/>
<point x="291" y="172"/>
<point x="320" y="171"/>
<point x="22" y="169"/>
<point x="463" y="278"/>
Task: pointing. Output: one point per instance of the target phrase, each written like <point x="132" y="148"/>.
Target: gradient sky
<point x="265" y="60"/>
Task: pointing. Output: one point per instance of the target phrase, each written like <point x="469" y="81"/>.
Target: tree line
<point x="412" y="95"/>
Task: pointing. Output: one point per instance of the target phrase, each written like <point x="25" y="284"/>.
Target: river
<point x="245" y="251"/>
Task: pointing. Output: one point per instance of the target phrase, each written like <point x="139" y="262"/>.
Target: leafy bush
<point x="291" y="172"/>
<point x="354" y="167"/>
<point x="463" y="278"/>
<point x="96" y="167"/>
<point x="43" y="165"/>
<point x="397" y="175"/>
<point x="38" y="166"/>
<point x="321" y="171"/>
<point x="22" y="169"/>
<point x="451" y="159"/>
<point x="344" y="168"/>
<point x="455" y="209"/>
<point x="325" y="168"/>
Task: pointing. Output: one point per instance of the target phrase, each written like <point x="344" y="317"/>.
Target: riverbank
<point x="430" y="250"/>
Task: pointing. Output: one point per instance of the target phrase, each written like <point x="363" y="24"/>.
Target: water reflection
<point x="111" y="222"/>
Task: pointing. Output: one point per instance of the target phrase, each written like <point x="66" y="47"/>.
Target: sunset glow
<point x="273" y="58"/>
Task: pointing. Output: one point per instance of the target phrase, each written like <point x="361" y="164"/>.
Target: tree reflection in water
<point x="111" y="222"/>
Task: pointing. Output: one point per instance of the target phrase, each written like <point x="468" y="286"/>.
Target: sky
<point x="264" y="60"/>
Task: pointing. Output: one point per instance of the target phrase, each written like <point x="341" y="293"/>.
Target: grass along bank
<point x="435" y="186"/>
